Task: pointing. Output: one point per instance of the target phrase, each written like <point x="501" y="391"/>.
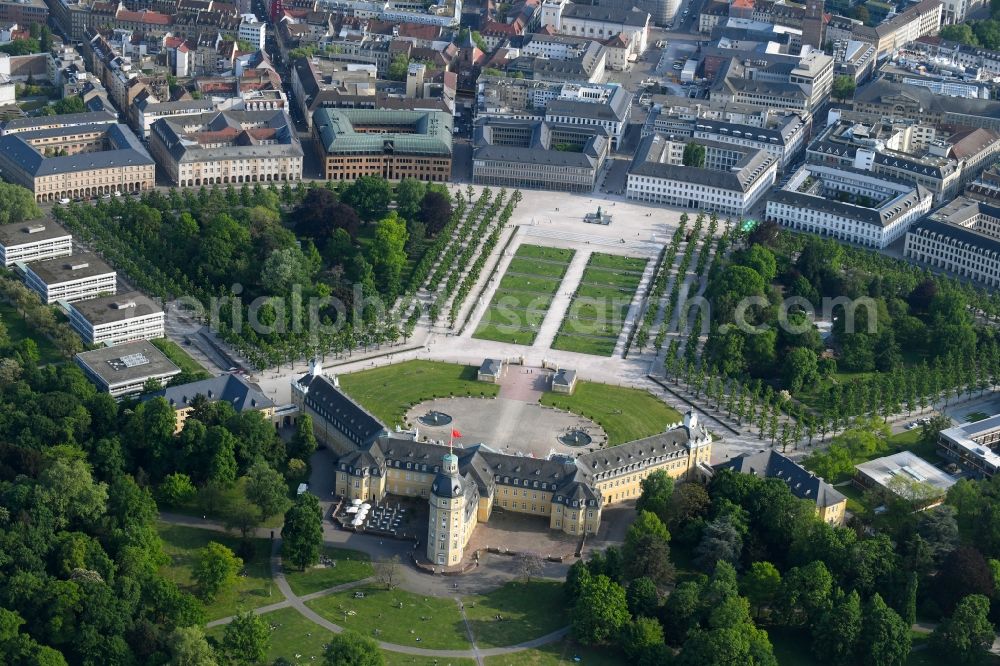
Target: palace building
<point x="464" y="485"/>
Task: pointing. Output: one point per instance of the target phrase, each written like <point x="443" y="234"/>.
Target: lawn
<point x="562" y="653"/>
<point x="18" y="329"/>
<point x="250" y="591"/>
<point x="400" y="659"/>
<point x="180" y="358"/>
<point x="390" y="391"/>
<point x="529" y="610"/>
<point x="291" y="634"/>
<point x="972" y="417"/>
<point x="352" y="565"/>
<point x="427" y="622"/>
<point x="624" y="413"/>
<point x="524" y="294"/>
<point x="597" y="312"/>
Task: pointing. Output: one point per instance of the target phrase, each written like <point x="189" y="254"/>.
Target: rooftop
<point x="770" y="464"/>
<point x="124" y="150"/>
<point x="107" y="309"/>
<point x="908" y="465"/>
<point x="345" y="131"/>
<point x="230" y="388"/>
<point x="22" y="233"/>
<point x="127" y="363"/>
<point x="66" y="269"/>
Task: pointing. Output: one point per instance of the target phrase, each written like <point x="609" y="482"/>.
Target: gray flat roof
<point x="120" y="307"/>
<point x="64" y="269"/>
<point x="22" y="233"/>
<point x="130" y="362"/>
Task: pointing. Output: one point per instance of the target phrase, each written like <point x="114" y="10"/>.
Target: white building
<point x="962" y="238"/>
<point x="69" y="279"/>
<point x="605" y="105"/>
<point x="971" y="445"/>
<point x="785" y="139"/>
<point x="127" y="368"/>
<point x="906" y="475"/>
<point x="731" y="183"/>
<point x="33" y="241"/>
<point x="253" y="31"/>
<point x="113" y="320"/>
<point x="848" y="204"/>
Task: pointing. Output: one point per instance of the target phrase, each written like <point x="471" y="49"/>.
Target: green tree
<point x="600" y="612"/>
<point x="215" y="568"/>
<point x="266" y="488"/>
<point x="694" y="155"/>
<point x="639" y="637"/>
<point x="656" y="490"/>
<point x="188" y="647"/>
<point x="885" y="638"/>
<point x="409" y="195"/>
<point x="177" y="489"/>
<point x="69" y="492"/>
<point x="221" y="445"/>
<point x="398" y="67"/>
<point x="302" y="533"/>
<point x="762" y="585"/>
<point x="799" y="368"/>
<point x="843" y="87"/>
<point x="303" y="443"/>
<point x="968" y="634"/>
<point x="837" y="632"/>
<point x="960" y="32"/>
<point x="370" y="196"/>
<point x="643" y="597"/>
<point x="18" y="204"/>
<point x="350" y="648"/>
<point x="245" y="639"/>
<point x="720" y="541"/>
<point x="387" y="254"/>
<point x="646" y="551"/>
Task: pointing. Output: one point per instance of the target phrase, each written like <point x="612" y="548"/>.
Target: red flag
<point x="455" y="433"/>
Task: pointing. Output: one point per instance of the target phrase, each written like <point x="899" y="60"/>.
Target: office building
<point x="127" y="369"/>
<point x="961" y="238"/>
<point x="112" y="320"/>
<point x="33" y="241"/>
<point x="69" y="279"/>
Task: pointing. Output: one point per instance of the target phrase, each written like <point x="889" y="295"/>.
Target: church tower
<point x="446" y="526"/>
<point x="812" y="24"/>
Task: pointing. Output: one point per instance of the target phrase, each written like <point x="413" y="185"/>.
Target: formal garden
<point x="597" y="312"/>
<point x="524" y="295"/>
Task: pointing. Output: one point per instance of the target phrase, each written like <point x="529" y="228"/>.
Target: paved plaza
<point x="505" y="425"/>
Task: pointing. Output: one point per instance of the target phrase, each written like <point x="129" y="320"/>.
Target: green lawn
<point x="181" y="358"/>
<point x="529" y="610"/>
<point x="250" y="591"/>
<point x="390" y="391"/>
<point x="562" y="653"/>
<point x="524" y="294"/>
<point x="427" y="622"/>
<point x="352" y="565"/>
<point x="291" y="634"/>
<point x="624" y="413"/>
<point x="555" y="254"/>
<point x="597" y="312"/>
<point x="976" y="416"/>
<point x="400" y="659"/>
<point x="18" y="329"/>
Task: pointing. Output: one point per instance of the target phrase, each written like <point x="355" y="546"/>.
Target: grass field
<point x="529" y="610"/>
<point x="624" y="413"/>
<point x="400" y="659"/>
<point x="180" y="357"/>
<point x="427" y="622"/>
<point x="18" y="329"/>
<point x="562" y="653"/>
<point x="388" y="392"/>
<point x="250" y="591"/>
<point x="352" y="565"/>
<point x="597" y="312"/>
<point x="524" y="294"/>
<point x="291" y="634"/>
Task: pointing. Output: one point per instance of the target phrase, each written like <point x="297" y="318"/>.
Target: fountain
<point x="435" y="419"/>
<point x="575" y="437"/>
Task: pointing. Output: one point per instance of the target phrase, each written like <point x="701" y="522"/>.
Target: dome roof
<point x="447" y="486"/>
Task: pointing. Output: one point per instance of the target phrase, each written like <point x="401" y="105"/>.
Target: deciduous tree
<point x="215" y="568"/>
<point x="245" y="639"/>
<point x="968" y="634"/>
<point x="600" y="612"/>
<point x="302" y="532"/>
<point x="350" y="648"/>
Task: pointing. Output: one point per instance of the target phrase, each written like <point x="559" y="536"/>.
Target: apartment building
<point x="227" y="147"/>
<point x="732" y="181"/>
<point x="70" y="279"/>
<point x="33" y="241"/>
<point x="114" y="319"/>
<point x="848" y="204"/>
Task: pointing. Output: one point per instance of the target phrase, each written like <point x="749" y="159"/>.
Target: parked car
<point x="64" y="201"/>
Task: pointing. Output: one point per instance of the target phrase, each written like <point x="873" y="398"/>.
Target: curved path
<point x="293" y="600"/>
